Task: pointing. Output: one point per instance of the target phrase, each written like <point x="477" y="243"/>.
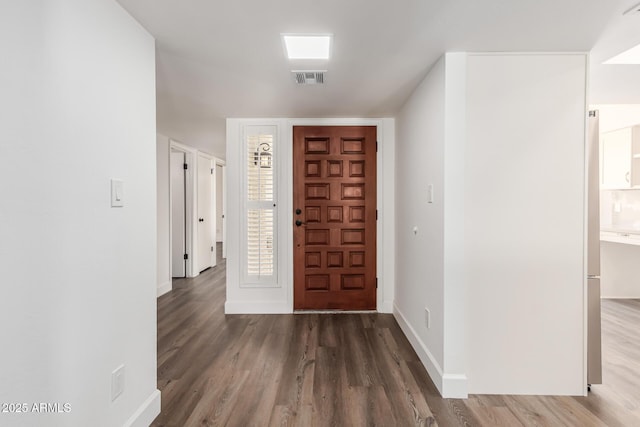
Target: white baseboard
<point x="619" y="297"/>
<point x="276" y="307"/>
<point x="164" y="288"/>
<point x="257" y="307"/>
<point x="147" y="412"/>
<point x="449" y="385"/>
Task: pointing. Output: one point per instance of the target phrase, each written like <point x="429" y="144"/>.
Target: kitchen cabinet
<point x="620" y="158"/>
<point x="616" y="158"/>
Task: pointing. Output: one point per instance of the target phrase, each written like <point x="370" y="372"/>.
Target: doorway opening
<point x="179" y="254"/>
<point x="221" y="221"/>
<point x="618" y="231"/>
<point x="194" y="204"/>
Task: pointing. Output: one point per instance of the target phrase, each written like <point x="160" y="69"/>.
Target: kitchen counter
<point x="619" y="266"/>
<point x="627" y="237"/>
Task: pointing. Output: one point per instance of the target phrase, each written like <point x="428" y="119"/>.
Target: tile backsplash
<point x="620" y="210"/>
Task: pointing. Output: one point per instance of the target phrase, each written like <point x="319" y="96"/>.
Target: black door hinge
<point x="376" y="214"/>
<point x="185" y="166"/>
<point x="186" y="256"/>
<point x="211" y="171"/>
<point x="211" y="248"/>
<point x="376" y="283"/>
<point x="376" y="146"/>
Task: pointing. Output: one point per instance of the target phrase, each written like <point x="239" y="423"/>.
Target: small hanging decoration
<point x="262" y="157"/>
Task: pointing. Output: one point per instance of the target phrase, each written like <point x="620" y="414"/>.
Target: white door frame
<point x="385" y="227"/>
<point x="191" y="208"/>
<point x="212" y="208"/>
<point x="222" y="164"/>
<point x="178" y="242"/>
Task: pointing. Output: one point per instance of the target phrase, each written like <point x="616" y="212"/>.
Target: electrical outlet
<point x="427" y="318"/>
<point x="117" y="382"/>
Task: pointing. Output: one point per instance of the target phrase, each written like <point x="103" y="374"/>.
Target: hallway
<point x="243" y="370"/>
<point x="341" y="370"/>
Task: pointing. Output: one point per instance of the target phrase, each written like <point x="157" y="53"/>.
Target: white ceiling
<point x="218" y="59"/>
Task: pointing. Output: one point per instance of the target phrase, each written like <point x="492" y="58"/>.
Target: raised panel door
<point x="334" y="217"/>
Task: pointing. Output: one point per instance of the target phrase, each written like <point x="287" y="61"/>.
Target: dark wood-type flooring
<point x="349" y="370"/>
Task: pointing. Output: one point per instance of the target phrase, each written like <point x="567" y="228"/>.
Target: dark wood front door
<point x="334" y="202"/>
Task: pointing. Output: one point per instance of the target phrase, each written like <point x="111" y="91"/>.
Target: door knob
<point x="200" y="219"/>
<point x="299" y="223"/>
<point x="298" y="211"/>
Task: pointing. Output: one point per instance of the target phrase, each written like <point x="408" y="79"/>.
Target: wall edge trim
<point x="146" y="413"/>
<point x="386" y="307"/>
<point x="455" y="386"/>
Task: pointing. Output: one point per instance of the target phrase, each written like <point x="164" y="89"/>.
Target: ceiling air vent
<point x="309" y="77"/>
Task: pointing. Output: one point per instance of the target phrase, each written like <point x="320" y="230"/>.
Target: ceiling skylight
<point x="628" y="57"/>
<point x="307" y="46"/>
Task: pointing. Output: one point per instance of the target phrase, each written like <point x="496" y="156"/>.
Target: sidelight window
<point x="260" y="206"/>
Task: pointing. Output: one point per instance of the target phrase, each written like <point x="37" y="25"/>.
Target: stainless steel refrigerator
<point x="594" y="338"/>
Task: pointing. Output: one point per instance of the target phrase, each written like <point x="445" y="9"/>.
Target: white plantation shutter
<point x="260" y="206"/>
<point x="260" y="242"/>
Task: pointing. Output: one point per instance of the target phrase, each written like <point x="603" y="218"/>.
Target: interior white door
<point x="206" y="214"/>
<point x="178" y="217"/>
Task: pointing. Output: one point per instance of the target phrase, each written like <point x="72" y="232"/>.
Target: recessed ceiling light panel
<point x="307" y="46"/>
<point x="628" y="57"/>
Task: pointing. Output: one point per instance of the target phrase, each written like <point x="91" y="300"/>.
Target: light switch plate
<point x="117" y="193"/>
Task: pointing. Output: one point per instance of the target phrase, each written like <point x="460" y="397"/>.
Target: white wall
<point x="498" y="255"/>
<point x="163" y="217"/>
<point x="455" y="271"/>
<point x="429" y="261"/>
<point x="524" y="223"/>
<point x="204" y="132"/>
<point x="420" y="137"/>
<point x="77" y="109"/>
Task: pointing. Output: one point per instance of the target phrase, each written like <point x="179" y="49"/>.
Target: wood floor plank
<point x="496" y="416"/>
<point x="256" y="405"/>
<point x="326" y="385"/>
<point x="350" y="370"/>
<point x="296" y="382"/>
<point x="282" y="416"/>
<point x="616" y="400"/>
<point x="407" y="402"/>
